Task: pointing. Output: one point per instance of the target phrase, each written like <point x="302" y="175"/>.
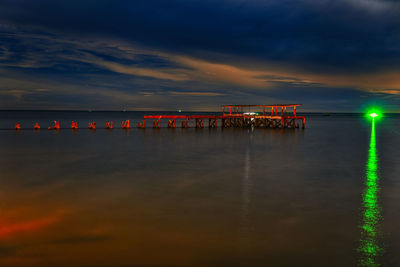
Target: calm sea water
<point x="328" y="195"/>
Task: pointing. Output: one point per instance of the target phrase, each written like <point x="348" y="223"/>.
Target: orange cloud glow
<point x="12" y="228"/>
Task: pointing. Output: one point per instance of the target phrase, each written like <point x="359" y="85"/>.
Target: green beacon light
<point x="373" y="115"/>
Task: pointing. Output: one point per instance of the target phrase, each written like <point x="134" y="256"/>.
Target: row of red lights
<point x="74" y="125"/>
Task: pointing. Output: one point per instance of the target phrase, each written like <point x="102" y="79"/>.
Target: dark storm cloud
<point x="356" y="36"/>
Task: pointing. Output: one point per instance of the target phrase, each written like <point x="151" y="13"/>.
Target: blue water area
<point x="328" y="195"/>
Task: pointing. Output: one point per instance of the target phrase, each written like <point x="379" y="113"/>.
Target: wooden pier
<point x="239" y="116"/>
<point x="243" y="116"/>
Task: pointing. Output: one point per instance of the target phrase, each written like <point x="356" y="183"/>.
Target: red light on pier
<point x="125" y="125"/>
<point x="109" y="125"/>
<point x="142" y="125"/>
<point x="74" y="125"/>
<point x="92" y="125"/>
<point x="56" y="126"/>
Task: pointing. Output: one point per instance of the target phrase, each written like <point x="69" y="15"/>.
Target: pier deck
<point x="241" y="116"/>
<point x="258" y="116"/>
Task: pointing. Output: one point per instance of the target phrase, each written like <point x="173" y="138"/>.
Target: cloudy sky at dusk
<point x="196" y="55"/>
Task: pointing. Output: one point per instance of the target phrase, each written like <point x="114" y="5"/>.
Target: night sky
<point x="338" y="55"/>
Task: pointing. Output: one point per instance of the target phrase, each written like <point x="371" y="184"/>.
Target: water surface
<point x="196" y="197"/>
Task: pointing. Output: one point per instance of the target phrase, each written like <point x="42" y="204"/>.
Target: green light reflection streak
<point x="369" y="248"/>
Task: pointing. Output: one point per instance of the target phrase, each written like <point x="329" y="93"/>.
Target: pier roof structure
<point x="239" y="109"/>
<point x="262" y="106"/>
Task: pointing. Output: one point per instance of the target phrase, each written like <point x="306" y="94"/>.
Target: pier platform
<point x="238" y="116"/>
<point x="243" y="116"/>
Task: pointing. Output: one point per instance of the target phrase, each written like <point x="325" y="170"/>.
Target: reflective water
<point x="370" y="246"/>
<point x="325" y="196"/>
